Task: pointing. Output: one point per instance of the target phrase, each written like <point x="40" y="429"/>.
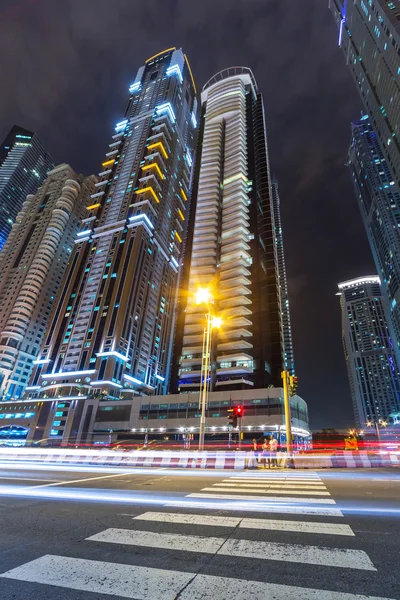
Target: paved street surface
<point x="85" y="534"/>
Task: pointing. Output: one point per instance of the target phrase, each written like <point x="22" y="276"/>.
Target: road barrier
<point x="198" y="460"/>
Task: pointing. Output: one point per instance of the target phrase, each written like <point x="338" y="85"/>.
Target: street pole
<point x="205" y="382"/>
<point x="288" y="419"/>
<point x="377" y="432"/>
<point x="240" y="432"/>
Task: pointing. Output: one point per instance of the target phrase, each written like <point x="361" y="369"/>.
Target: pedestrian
<point x="266" y="453"/>
<point x="273" y="446"/>
<point x="255" y="449"/>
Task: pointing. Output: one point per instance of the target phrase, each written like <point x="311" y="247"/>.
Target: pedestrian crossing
<point x="215" y="537"/>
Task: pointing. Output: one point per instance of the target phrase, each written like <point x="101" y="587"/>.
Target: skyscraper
<point x="233" y="250"/>
<point x="32" y="264"/>
<point x="110" y="334"/>
<point x="371" y="362"/>
<point x="369" y="34"/>
<point x="23" y="167"/>
<point x="379" y="202"/>
<point x="288" y="355"/>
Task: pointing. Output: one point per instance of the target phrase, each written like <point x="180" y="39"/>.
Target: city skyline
<point x="306" y="317"/>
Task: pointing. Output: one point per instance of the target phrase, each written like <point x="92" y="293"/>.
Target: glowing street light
<point x="204" y="296"/>
<point x="380" y="422"/>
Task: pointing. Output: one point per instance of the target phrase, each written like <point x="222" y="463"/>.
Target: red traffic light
<point x="238" y="411"/>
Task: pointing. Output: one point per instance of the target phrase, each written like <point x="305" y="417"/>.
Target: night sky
<point x="65" y="68"/>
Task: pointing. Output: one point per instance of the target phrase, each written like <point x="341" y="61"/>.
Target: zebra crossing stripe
<point x="122" y="581"/>
<point x="272" y="480"/>
<point x="161" y="517"/>
<point x="280" y="486"/>
<point x="210" y="587"/>
<point x="171" y="541"/>
<point x="297" y="553"/>
<point x="231" y="522"/>
<point x="293" y="553"/>
<point x="297" y="526"/>
<point x="270" y="499"/>
<point x="256" y="506"/>
<point x="251" y="491"/>
<point x="126" y="581"/>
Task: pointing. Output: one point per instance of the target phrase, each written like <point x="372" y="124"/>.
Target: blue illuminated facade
<point x="110" y="334"/>
<point x="24" y="164"/>
<point x="379" y="202"/>
<point x="369" y="35"/>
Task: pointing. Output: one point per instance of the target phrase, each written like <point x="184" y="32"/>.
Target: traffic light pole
<point x="288" y="418"/>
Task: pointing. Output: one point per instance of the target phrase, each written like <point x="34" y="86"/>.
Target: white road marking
<point x="293" y="553"/>
<point x="223" y="487"/>
<point x="297" y="526"/>
<point x="209" y="587"/>
<point x="265" y="524"/>
<point x="264" y="498"/>
<point x="296" y="553"/>
<point x="170" y="541"/>
<point x="78" y="481"/>
<point x="126" y="581"/>
<point x="275" y="481"/>
<point x="122" y="581"/>
<point x="294" y="486"/>
<point x="254" y="506"/>
<point x="161" y="517"/>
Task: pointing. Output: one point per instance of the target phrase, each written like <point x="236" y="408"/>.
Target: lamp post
<point x="380" y="422"/>
<point x="203" y="296"/>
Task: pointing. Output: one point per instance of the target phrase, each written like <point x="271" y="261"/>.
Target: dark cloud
<point x="65" y="68"/>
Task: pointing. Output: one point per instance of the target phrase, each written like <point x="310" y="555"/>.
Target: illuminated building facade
<point x="233" y="249"/>
<point x="371" y="362"/>
<point x="288" y="356"/>
<point x="32" y="264"/>
<point x="110" y="334"/>
<point x="369" y="34"/>
<point x="23" y="167"/>
<point x="379" y="202"/>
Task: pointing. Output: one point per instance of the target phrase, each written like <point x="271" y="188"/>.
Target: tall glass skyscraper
<point x="379" y="202"/>
<point x="372" y="365"/>
<point x="233" y="246"/>
<point x="23" y="167"/>
<point x="288" y="356"/>
<point x="369" y="34"/>
<point x="110" y="334"/>
<point x="32" y="264"/>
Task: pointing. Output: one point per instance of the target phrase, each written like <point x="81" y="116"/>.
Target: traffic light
<point x="230" y="416"/>
<point x="293" y="383"/>
<point x="237" y="414"/>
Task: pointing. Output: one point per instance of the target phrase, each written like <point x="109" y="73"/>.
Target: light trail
<point x="129" y="497"/>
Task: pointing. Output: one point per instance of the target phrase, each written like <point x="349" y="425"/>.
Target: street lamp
<point x="380" y="422"/>
<point x="204" y="296"/>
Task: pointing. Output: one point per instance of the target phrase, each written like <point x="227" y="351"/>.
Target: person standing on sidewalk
<point x="266" y="453"/>
<point x="273" y="447"/>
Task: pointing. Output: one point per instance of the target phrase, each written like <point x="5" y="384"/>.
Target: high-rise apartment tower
<point x="23" y="166"/>
<point x="371" y="362"/>
<point x="110" y="335"/>
<point x="32" y="264"/>
<point x="369" y="34"/>
<point x="288" y="356"/>
<point x="379" y="202"/>
<point x="233" y="249"/>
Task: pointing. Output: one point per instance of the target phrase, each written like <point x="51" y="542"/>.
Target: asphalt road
<point x="160" y="534"/>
